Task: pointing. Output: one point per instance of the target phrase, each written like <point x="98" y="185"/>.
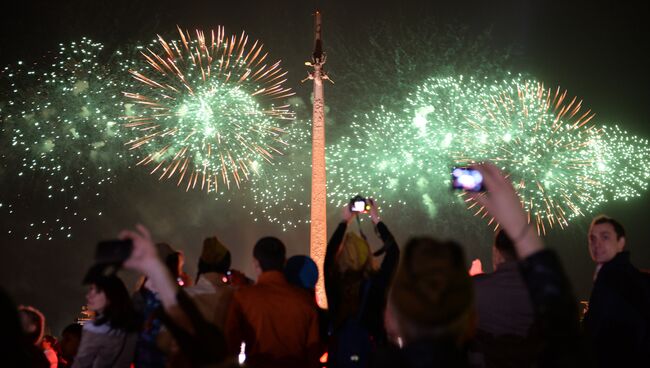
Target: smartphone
<point x="358" y="206"/>
<point x="113" y="251"/>
<point x="468" y="179"/>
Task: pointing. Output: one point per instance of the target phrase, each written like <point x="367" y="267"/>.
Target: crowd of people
<point x="418" y="307"/>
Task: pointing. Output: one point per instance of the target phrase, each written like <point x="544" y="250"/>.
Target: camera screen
<point x="467" y="179"/>
<point x="359" y="206"/>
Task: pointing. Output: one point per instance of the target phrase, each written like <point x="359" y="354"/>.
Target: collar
<point x="621" y="259"/>
<point x="271" y="277"/>
<point x="203" y="283"/>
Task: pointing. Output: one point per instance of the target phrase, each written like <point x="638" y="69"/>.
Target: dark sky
<point x="596" y="49"/>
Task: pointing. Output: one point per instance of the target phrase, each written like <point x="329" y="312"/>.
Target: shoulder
<point x="98" y="331"/>
<point x="244" y="293"/>
<point x="482" y="279"/>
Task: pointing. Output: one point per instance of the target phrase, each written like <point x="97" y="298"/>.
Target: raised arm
<point x="391" y="257"/>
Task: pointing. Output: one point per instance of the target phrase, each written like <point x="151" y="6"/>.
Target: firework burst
<point x="622" y="162"/>
<point x="59" y="133"/>
<point x="560" y="162"/>
<point x="203" y="109"/>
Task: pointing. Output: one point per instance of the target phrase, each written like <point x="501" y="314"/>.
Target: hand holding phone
<point x="359" y="204"/>
<point x="113" y="251"/>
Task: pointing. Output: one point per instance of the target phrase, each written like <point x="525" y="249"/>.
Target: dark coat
<point x="344" y="302"/>
<point x="618" y="320"/>
<point x="421" y="354"/>
<point x="502" y="301"/>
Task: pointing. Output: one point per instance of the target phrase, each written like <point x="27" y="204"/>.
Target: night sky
<point x="597" y="50"/>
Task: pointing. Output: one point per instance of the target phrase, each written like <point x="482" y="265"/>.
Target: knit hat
<point x="215" y="257"/>
<point x="431" y="287"/>
<point x="301" y="271"/>
<point x="354" y="253"/>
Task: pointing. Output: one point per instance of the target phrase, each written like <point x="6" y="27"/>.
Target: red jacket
<point x="277" y="321"/>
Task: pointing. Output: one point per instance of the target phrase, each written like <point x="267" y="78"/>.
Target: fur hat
<point x="215" y="257"/>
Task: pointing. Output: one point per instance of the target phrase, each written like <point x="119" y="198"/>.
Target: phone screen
<point x="464" y="178"/>
<point x="359" y="206"/>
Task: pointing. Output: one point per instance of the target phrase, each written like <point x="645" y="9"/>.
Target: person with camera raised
<point x="198" y="339"/>
<point x="356" y="287"/>
<point x="431" y="299"/>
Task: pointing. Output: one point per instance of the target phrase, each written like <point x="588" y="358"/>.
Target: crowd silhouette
<point x="420" y="306"/>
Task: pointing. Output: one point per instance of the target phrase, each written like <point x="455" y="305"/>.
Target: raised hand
<point x="502" y="202"/>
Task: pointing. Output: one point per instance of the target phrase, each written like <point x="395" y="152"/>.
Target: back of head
<point x="215" y="257"/>
<point x="354" y="254"/>
<point x="119" y="312"/>
<point x="432" y="295"/>
<point x="171" y="258"/>
<point x="301" y="271"/>
<point x="618" y="228"/>
<point x="270" y="253"/>
<point x="72" y="330"/>
<point x="70" y="340"/>
<point x="504" y="245"/>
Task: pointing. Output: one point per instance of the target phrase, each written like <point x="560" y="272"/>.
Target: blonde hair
<point x="354" y="255"/>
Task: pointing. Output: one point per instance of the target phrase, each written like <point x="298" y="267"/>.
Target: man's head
<point x="301" y="271"/>
<point x="503" y="249"/>
<point x="215" y="257"/>
<point x="269" y="255"/>
<point x="431" y="296"/>
<point x="606" y="239"/>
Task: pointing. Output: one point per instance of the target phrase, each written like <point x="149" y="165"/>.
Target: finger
<point x="143" y="230"/>
<point x="490" y="173"/>
<point x="127" y="234"/>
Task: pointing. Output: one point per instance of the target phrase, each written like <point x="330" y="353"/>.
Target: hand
<point x="144" y="254"/>
<point x="502" y="202"/>
<point x="144" y="258"/>
<point x="347" y="214"/>
<point x="374" y="211"/>
<point x="477" y="267"/>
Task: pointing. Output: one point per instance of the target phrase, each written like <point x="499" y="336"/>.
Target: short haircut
<point x="270" y="253"/>
<point x="505" y="246"/>
<point x="618" y="228"/>
<point x="72" y="329"/>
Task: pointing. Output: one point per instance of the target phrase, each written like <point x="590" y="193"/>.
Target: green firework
<point x="555" y="154"/>
<point x="58" y="119"/>
<point x="203" y="109"/>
